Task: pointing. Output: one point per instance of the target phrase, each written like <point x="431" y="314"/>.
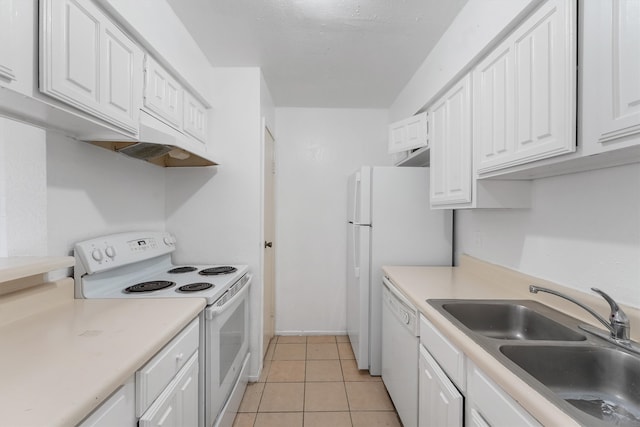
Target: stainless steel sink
<point x="599" y="381"/>
<point x="510" y="320"/>
<point x="589" y="378"/>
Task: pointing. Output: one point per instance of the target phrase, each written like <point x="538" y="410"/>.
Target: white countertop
<point x="61" y="357"/>
<point x="478" y="280"/>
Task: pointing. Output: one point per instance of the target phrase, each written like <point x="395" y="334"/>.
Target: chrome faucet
<point x="618" y="323"/>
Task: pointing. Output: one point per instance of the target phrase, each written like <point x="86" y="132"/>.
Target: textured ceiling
<point x="321" y="53"/>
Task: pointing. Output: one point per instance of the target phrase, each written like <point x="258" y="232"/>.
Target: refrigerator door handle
<point x="356" y="197"/>
<point x="356" y="261"/>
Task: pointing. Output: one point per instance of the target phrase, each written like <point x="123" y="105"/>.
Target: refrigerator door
<point x="405" y="231"/>
<point x="359" y="203"/>
<point x="358" y="279"/>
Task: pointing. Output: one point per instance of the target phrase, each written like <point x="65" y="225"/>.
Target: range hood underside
<point x="174" y="157"/>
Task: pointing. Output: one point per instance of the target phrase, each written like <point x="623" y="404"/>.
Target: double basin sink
<point x="595" y="382"/>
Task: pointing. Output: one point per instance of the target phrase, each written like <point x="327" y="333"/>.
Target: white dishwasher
<point x="400" y="346"/>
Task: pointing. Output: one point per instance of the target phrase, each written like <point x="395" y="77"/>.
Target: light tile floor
<point x="313" y="381"/>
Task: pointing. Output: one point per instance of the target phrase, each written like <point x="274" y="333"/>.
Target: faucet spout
<point x="618" y="323"/>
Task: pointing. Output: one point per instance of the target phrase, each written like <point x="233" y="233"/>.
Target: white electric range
<point x="139" y="265"/>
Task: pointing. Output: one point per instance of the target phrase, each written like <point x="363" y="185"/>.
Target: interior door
<point x="269" y="235"/>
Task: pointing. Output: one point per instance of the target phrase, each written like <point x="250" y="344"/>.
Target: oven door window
<point x="231" y="340"/>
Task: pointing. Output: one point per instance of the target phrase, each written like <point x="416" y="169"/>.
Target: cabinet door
<point x="408" y="134"/>
<point x="195" y="118"/>
<point x="70" y="65"/>
<point x="6" y="43"/>
<point x="88" y="63"/>
<point x="440" y="403"/>
<point x="545" y="67"/>
<point x="177" y="406"/>
<point x="493" y="126"/>
<point x="450" y="135"/>
<point x="612" y="82"/>
<point x="525" y="91"/>
<point x="121" y="79"/>
<point x="162" y="94"/>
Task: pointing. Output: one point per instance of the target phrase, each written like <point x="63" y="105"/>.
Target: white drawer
<point x="153" y="377"/>
<point x="448" y="356"/>
<point x="488" y="403"/>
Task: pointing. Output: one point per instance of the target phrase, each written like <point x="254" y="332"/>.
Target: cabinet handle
<point x="179" y="357"/>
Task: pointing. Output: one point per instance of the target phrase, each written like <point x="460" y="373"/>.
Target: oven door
<point x="227" y="344"/>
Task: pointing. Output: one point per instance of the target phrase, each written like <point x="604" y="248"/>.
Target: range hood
<point x="161" y="145"/>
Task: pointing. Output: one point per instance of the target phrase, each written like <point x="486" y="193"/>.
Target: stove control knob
<point x="96" y="254"/>
<point x="110" y="251"/>
<point x="169" y="241"/>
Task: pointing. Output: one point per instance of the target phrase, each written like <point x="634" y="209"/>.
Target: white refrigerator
<point x="389" y="223"/>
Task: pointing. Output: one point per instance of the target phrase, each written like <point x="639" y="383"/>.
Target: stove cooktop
<point x="167" y="281"/>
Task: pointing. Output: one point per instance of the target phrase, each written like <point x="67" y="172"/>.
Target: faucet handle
<point x="618" y="317"/>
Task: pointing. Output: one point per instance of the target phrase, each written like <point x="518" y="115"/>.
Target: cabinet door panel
<point x="74" y="59"/>
<point x="408" y="134"/>
<point x="177" y="406"/>
<point x="162" y="94"/>
<point x="438" y="158"/>
<point x="626" y="55"/>
<point x="545" y="68"/>
<point x="195" y="118"/>
<point x="494" y="123"/>
<point x="6" y="43"/>
<point x="121" y="57"/>
<point x="534" y="69"/>
<point x="451" y="146"/>
<point x="441" y="404"/>
<point x="619" y="64"/>
<point x="88" y="63"/>
<point x="526" y="92"/>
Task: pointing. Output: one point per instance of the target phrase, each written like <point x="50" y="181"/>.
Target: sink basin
<point x="599" y="381"/>
<point x="510" y="320"/>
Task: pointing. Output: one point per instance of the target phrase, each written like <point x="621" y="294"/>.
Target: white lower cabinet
<point x="163" y="393"/>
<point x="440" y="403"/>
<point x="453" y="392"/>
<point x="489" y="405"/>
<point x="167" y="386"/>
<point x="177" y="406"/>
<point x="117" y="410"/>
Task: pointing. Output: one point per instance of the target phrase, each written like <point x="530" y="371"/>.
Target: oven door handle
<point x="214" y="310"/>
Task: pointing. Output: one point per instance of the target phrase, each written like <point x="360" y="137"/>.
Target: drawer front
<point x="448" y="356"/>
<point x="159" y="371"/>
<point x="492" y="405"/>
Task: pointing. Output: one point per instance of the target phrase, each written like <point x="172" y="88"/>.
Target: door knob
<point x="268" y="244"/>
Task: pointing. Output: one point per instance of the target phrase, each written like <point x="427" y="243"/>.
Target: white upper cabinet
<point x="7" y="45"/>
<point x="611" y="72"/>
<point x="89" y="63"/>
<point x="162" y="93"/>
<point x="172" y="103"/>
<point x="525" y="92"/>
<point x="409" y="134"/>
<point x="450" y="135"/>
<point x="195" y="118"/>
